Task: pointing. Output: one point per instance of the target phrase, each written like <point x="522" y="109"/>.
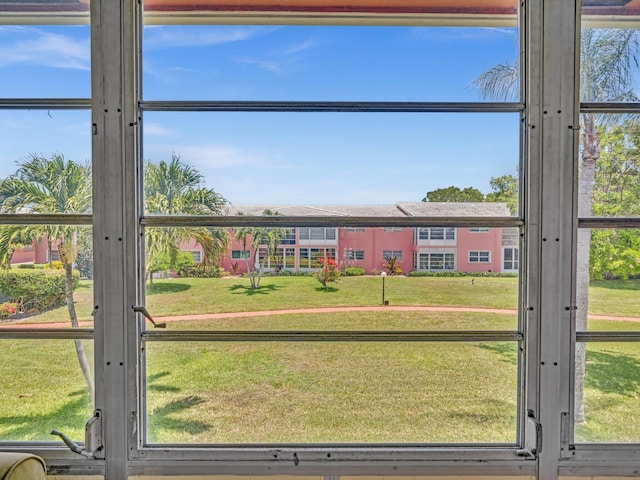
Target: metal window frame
<point x="310" y="459"/>
<point x="549" y="142"/>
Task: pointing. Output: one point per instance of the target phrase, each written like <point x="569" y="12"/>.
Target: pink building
<point x="477" y="249"/>
<point x="469" y="249"/>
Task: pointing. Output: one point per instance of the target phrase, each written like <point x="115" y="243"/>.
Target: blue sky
<point x="314" y="158"/>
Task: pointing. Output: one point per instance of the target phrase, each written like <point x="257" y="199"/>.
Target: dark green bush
<point x="84" y="263"/>
<point x="201" y="271"/>
<point x="29" y="266"/>
<point x="353" y="271"/>
<point x="35" y="290"/>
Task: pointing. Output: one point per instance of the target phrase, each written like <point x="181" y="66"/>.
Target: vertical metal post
<point x="115" y="120"/>
<point x="552" y="117"/>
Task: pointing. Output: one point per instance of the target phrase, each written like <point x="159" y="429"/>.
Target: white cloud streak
<point x="165" y="37"/>
<point x="34" y="46"/>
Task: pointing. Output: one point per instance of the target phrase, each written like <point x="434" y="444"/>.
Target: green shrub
<point x="201" y="271"/>
<point x="35" y="290"/>
<point x="26" y="265"/>
<point x="455" y="273"/>
<point x="162" y="262"/>
<point x="353" y="271"/>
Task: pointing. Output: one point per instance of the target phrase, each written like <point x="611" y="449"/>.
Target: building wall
<point x="372" y="243"/>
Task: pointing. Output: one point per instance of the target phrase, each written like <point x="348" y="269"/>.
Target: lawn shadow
<point x="491" y="411"/>
<point x="613" y="372"/>
<point x="247" y="290"/>
<point x="326" y="289"/>
<point x="161" y="288"/>
<point x="153" y="386"/>
<point x="506" y="351"/>
<point x="38" y="426"/>
<point x="631" y="284"/>
<point x="163" y="418"/>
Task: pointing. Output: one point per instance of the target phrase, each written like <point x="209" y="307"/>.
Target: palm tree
<point x="174" y="188"/>
<point x="50" y="185"/>
<point x="609" y="59"/>
<point x="256" y="237"/>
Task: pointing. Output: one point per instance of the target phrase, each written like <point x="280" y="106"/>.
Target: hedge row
<point x="35" y="290"/>
<point x="454" y="273"/>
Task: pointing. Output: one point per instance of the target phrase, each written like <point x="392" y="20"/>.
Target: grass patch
<point x="336" y="392"/>
<point x="42" y="389"/>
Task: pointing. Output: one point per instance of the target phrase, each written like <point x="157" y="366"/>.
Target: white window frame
<point x="550" y="133"/>
<point x="476" y="256"/>
<point x="392" y="253"/>
<point x="354" y="255"/>
<point x="240" y="254"/>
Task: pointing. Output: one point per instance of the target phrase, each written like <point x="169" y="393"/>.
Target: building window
<point x="53" y="255"/>
<point x="354" y="229"/>
<point x="391" y="254"/>
<point x="317" y="233"/>
<point x="510" y="236"/>
<point x="289" y="238"/>
<point x="479" y="257"/>
<point x="510" y="256"/>
<point x="436" y="261"/>
<point x="437" y="233"/>
<point x="310" y="257"/>
<point x="479" y="229"/>
<point x="240" y="254"/>
<point x="354" y="255"/>
<point x="197" y="256"/>
<point x="392" y="229"/>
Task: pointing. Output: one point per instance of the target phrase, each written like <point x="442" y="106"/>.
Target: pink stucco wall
<point x="372" y="242"/>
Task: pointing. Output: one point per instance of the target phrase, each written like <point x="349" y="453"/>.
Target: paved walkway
<point x="264" y="313"/>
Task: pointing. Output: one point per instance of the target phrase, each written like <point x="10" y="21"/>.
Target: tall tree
<point x="615" y="253"/>
<point x="257" y="239"/>
<point x="50" y="185"/>
<point x="505" y="190"/>
<point x="174" y="188"/>
<point x="454" y="194"/>
<point x="608" y="62"/>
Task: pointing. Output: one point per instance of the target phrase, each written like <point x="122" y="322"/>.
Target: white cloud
<point x="461" y="33"/>
<point x="198" y="36"/>
<point x="157" y="129"/>
<point x="34" y="46"/>
<point x="264" y="64"/>
<point x="301" y="47"/>
<point x="205" y="157"/>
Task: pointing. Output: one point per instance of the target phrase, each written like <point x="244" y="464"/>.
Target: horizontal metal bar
<point x="310" y="106"/>
<point x="610" y="107"/>
<point x="46" y="219"/>
<point x="330" y="336"/>
<point x="609" y="222"/>
<point x="325" y="221"/>
<point x="45" y="103"/>
<point x="46" y="333"/>
<point x="630" y="336"/>
<point x="334" y="460"/>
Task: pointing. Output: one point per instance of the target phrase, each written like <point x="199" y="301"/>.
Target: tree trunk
<point x="82" y="357"/>
<point x="590" y="155"/>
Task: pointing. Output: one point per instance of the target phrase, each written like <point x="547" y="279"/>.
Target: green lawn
<point x="325" y="392"/>
<point x="181" y="296"/>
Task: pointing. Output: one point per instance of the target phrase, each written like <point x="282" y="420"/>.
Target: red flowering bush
<point x="7" y="309"/>
<point x="328" y="271"/>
